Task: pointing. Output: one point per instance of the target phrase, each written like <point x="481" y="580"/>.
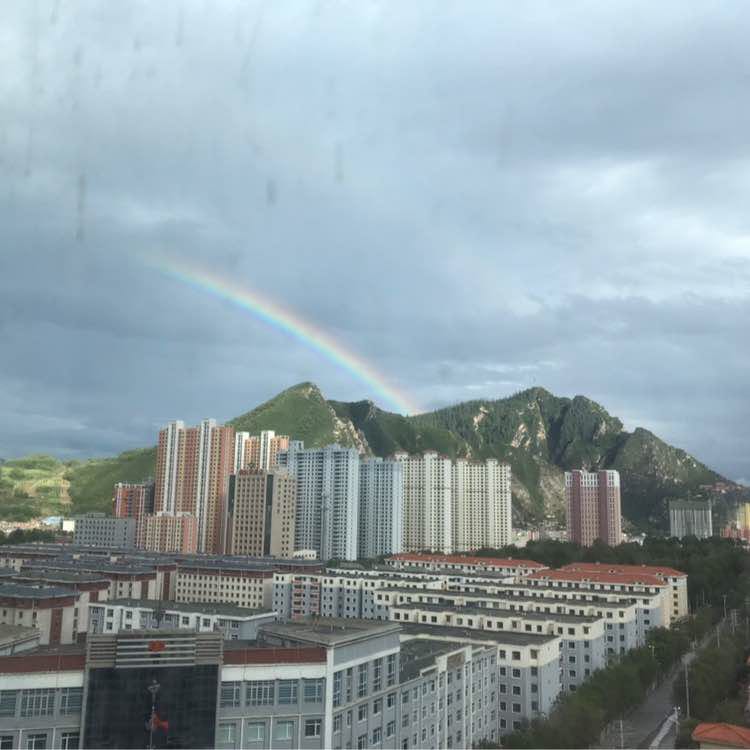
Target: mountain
<point x="539" y="434"/>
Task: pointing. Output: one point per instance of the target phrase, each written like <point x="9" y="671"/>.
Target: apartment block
<point x="52" y="610"/>
<point x="262" y="513"/>
<point x="327" y="518"/>
<point x="687" y="518"/>
<point x="216" y="583"/>
<point x="593" y="507"/>
<point x="381" y="507"/>
<point x="504" y="566"/>
<point x="258" y="452"/>
<point x="98" y="530"/>
<point x="133" y="500"/>
<point x="170" y="532"/>
<point x="428" y="502"/>
<point x="331" y="684"/>
<point x="193" y="465"/>
<point x="481" y="504"/>
<point x="235" y="623"/>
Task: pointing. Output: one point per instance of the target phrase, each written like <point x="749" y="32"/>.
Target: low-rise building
<point x="99" y="530"/>
<point x="52" y="610"/>
<point x="15" y="639"/>
<point x="236" y="623"/>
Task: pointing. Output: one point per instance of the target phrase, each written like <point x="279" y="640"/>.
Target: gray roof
<point x="27" y="591"/>
<point x="420" y="653"/>
<point x="496" y="612"/>
<point x="332" y="631"/>
<point x="15" y="633"/>
<point x="467" y="635"/>
<point x="206" y="608"/>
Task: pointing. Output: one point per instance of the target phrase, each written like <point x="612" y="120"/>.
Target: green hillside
<point x="539" y="434"/>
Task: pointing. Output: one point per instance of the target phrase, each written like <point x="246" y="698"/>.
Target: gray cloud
<point x="477" y="200"/>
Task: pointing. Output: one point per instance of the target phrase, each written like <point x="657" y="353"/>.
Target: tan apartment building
<point x="258" y="451"/>
<point x="193" y="465"/>
<point x="170" y="532"/>
<point x="262" y="513"/>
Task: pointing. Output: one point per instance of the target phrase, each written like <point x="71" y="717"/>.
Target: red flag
<point x="156" y="646"/>
<point x="157" y="723"/>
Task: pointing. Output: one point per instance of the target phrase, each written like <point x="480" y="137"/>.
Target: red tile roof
<point x="493" y="562"/>
<point x="596" y="576"/>
<point x="727" y="735"/>
<point x="657" y="570"/>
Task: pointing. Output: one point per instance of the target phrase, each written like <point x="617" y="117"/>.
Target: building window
<point x="377" y="706"/>
<point x="70" y="701"/>
<point x="256" y="731"/>
<point x="6" y="742"/>
<point x="391" y="676"/>
<point x="312" y="727"/>
<point x="362" y="712"/>
<point x="8" y="699"/>
<point x="362" y="742"/>
<point x="516" y="708"/>
<point x="260" y="693"/>
<point x="337" y="723"/>
<point x="362" y="677"/>
<point x="390" y="700"/>
<point x="313" y="691"/>
<point x="229" y="694"/>
<point x="377" y="675"/>
<point x="37" y="702"/>
<point x="36" y="742"/>
<point x="69" y="740"/>
<point x="283" y="730"/>
<point x="337" y="680"/>
<point x="390" y="729"/>
<point x="377" y="735"/>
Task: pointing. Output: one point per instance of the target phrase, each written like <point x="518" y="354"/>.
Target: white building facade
<point x="481" y="503"/>
<point x="327" y="498"/>
<point x="428" y="522"/>
<point x="381" y="507"/>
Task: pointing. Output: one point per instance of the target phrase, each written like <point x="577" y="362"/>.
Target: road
<point x="641" y="727"/>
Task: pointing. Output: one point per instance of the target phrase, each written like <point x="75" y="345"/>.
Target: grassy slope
<point x="33" y="486"/>
<point x="300" y="412"/>
<point x="91" y="482"/>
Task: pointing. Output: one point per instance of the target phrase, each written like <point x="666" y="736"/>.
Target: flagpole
<point x="153" y="688"/>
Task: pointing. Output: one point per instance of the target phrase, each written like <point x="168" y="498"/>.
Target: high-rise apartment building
<point x="133" y="500"/>
<point x="262" y="513"/>
<point x="481" y="502"/>
<point x="688" y="518"/>
<point x="170" y="532"/>
<point x="258" y="451"/>
<point x="428" y="510"/>
<point x="381" y="507"/>
<point x="593" y="507"/>
<point x="193" y="465"/>
<point x="327" y="518"/>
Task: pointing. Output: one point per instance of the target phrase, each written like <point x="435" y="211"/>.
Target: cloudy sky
<point x="474" y="197"/>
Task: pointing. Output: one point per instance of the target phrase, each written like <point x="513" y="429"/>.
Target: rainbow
<point x="287" y="320"/>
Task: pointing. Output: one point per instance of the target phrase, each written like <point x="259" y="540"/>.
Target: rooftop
<point x="206" y="608"/>
<point x="15" y="633"/>
<point x="598" y="575"/>
<point x="329" y="632"/>
<point x="468" y="635"/>
<point x="656" y="570"/>
<point x="419" y="653"/>
<point x="722" y="735"/>
<point x="26" y="591"/>
<point x="497" y="612"/>
<point x="497" y="562"/>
